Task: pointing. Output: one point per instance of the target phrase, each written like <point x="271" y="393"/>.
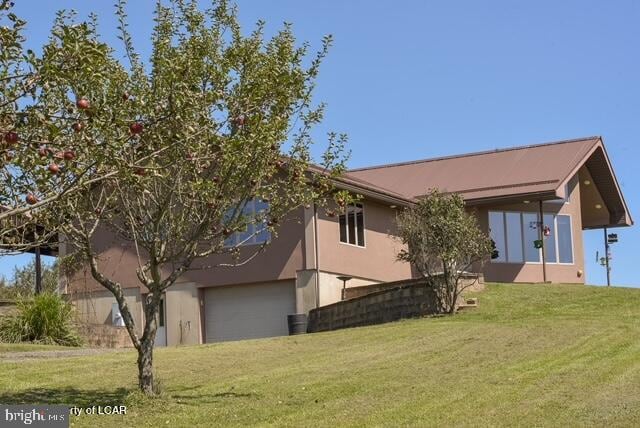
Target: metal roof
<point x="535" y="171"/>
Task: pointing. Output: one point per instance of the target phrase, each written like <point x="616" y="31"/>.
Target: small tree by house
<point x="201" y="151"/>
<point x="443" y="241"/>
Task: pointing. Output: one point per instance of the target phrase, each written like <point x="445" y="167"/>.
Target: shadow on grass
<point x="101" y="397"/>
<point x="66" y="396"/>
<point x="199" y="398"/>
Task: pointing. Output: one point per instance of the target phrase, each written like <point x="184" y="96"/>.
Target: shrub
<point x="443" y="242"/>
<point x="46" y="318"/>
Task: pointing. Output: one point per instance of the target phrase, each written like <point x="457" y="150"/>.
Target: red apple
<point x="78" y="126"/>
<point x="11" y="137"/>
<point x="31" y="199"/>
<point x="83" y="103"/>
<point x="136" y="128"/>
<point x="54" y="168"/>
<point x="140" y="171"/>
<point x="69" y="155"/>
<point x="240" y="120"/>
<point x="43" y="151"/>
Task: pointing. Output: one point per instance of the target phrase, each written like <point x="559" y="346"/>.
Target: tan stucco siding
<point x="331" y="287"/>
<point x="280" y="260"/>
<point x="183" y="315"/>
<point x="116" y="260"/>
<point x="532" y="272"/>
<point x="95" y="307"/>
<point x="377" y="260"/>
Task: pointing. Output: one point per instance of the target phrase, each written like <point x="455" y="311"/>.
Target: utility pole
<point x="606" y="257"/>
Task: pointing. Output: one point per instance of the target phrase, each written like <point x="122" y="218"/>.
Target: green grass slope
<point x="530" y="355"/>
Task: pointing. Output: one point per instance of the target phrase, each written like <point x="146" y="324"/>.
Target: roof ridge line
<point x="484" y="152"/>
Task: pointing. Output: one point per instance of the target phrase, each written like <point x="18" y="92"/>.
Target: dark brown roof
<point x="537" y="171"/>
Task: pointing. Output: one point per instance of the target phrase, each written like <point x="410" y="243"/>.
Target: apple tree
<point x="216" y="120"/>
<point x="44" y="153"/>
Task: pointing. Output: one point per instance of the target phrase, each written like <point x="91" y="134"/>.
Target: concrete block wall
<point x="380" y="303"/>
<point x="405" y="301"/>
<point x="104" y="336"/>
<point x="470" y="282"/>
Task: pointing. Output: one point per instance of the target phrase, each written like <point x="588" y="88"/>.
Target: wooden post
<point x="541" y="237"/>
<point x="38" y="271"/>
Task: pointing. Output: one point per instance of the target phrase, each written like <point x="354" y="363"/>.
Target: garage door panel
<point x="248" y="311"/>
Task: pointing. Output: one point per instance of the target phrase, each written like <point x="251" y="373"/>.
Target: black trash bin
<point x="297" y="323"/>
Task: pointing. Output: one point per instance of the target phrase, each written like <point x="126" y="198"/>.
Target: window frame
<point x="522" y="234"/>
<point x="355" y="226"/>
<point x="254" y="238"/>
<point x="573" y="252"/>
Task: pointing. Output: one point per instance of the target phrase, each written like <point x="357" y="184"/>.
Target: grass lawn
<point x="530" y="355"/>
<point x="29" y="347"/>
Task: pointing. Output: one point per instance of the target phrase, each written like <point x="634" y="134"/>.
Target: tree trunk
<point x="147" y="343"/>
<point x="145" y="367"/>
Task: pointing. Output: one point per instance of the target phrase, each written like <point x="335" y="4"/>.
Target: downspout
<point x="317" y="256"/>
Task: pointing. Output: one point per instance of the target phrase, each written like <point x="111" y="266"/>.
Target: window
<point x="565" y="240"/>
<point x="352" y="225"/>
<point x="549" y="242"/>
<point x="514" y="234"/>
<point x="256" y="231"/>
<point x="530" y="233"/>
<point x="496" y="229"/>
<point x="514" y="238"/>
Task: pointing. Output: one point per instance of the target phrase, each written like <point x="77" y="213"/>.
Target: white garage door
<point x="248" y="311"/>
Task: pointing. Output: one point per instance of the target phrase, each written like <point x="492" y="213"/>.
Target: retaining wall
<point x="381" y="303"/>
<point x="104" y="336"/>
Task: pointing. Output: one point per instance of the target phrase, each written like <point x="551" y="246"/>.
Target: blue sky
<point x="415" y="79"/>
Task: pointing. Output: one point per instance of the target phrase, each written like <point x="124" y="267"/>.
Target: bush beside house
<point x="45" y="319"/>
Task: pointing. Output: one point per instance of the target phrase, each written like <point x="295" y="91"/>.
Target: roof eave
<point x="374" y="194"/>
<point x="514" y="198"/>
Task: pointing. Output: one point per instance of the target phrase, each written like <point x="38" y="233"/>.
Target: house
<point x="571" y="184"/>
